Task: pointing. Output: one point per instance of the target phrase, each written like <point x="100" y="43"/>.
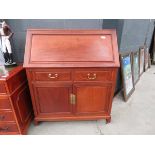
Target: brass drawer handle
<point x="4" y="129"/>
<point x="54" y="76"/>
<point x="2" y="118"/>
<point x="91" y="77"/>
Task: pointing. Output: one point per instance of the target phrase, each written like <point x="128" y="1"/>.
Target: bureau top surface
<point x="11" y="72"/>
<point x="71" y="48"/>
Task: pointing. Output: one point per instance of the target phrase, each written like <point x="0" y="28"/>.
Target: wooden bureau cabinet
<point x="71" y="73"/>
<point x="15" y="102"/>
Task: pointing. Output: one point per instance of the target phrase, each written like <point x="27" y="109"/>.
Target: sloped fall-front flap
<point x="54" y="49"/>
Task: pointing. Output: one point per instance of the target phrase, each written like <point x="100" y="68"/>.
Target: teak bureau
<point x="71" y="73"/>
<point x="15" y="102"/>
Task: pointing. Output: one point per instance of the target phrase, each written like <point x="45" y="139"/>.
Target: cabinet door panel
<point x="53" y="98"/>
<point x="92" y="98"/>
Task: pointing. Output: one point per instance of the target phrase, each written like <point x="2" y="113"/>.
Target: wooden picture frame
<point x="141" y="60"/>
<point x="153" y="58"/>
<point x="127" y="74"/>
<point x="149" y="61"/>
<point x="146" y="59"/>
<point x="135" y="67"/>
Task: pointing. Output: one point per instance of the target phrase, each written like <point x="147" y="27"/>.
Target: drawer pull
<point x="4" y="129"/>
<point x="2" y="118"/>
<point x="53" y="76"/>
<point x="91" y="77"/>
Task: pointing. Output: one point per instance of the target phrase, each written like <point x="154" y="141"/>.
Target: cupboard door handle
<point x="2" y="117"/>
<point x="91" y="77"/>
<point x="4" y="129"/>
<point x="72" y="99"/>
<point x="53" y="76"/>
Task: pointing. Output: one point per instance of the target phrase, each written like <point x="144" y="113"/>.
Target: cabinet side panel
<point x="15" y="81"/>
<point x="22" y="105"/>
<point x="29" y="78"/>
<point x="114" y="77"/>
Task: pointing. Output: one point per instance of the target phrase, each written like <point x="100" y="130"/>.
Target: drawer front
<point x="90" y="75"/>
<point x="4" y="103"/>
<point x="8" y="127"/>
<point x="53" y="76"/>
<point x="6" y="116"/>
<point x="2" y="89"/>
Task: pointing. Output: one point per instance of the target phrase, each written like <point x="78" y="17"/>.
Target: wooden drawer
<point x="6" y="116"/>
<point x="52" y="76"/>
<point x="8" y="127"/>
<point x="4" y="103"/>
<point x="90" y="75"/>
<point x="2" y="88"/>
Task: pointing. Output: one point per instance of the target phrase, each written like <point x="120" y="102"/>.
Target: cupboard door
<point x="92" y="98"/>
<point x="53" y="98"/>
